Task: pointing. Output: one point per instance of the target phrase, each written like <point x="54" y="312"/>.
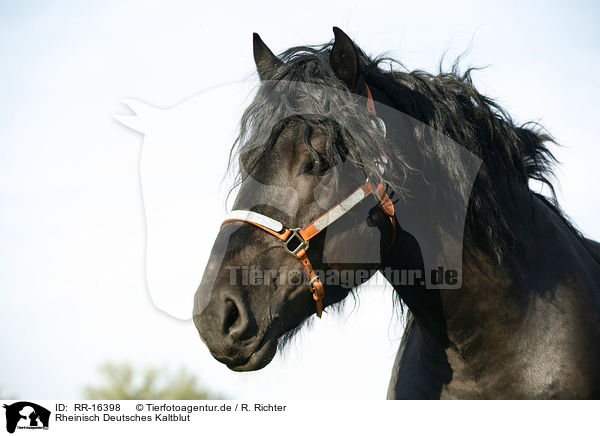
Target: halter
<point x="296" y="240"/>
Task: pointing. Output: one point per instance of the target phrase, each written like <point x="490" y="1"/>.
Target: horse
<point x="520" y="320"/>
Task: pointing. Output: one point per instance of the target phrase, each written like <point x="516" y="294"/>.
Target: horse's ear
<point x="266" y="61"/>
<point x="344" y="59"/>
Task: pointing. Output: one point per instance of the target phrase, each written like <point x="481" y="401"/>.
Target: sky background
<point x="73" y="289"/>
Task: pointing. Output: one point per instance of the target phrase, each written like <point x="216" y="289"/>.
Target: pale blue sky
<point x="72" y="226"/>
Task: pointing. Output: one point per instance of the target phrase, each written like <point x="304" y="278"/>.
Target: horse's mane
<point x="511" y="154"/>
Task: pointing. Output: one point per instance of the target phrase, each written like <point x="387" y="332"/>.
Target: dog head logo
<point x="24" y="414"/>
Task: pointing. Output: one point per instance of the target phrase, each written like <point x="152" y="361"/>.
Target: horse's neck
<point x="549" y="255"/>
<point x="484" y="327"/>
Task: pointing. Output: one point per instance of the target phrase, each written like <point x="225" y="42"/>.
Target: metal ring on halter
<point x="316" y="277"/>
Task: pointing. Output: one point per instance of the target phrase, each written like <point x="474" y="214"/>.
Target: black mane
<point x="512" y="155"/>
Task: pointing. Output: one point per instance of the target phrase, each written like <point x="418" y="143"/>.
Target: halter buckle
<point x="295" y="236"/>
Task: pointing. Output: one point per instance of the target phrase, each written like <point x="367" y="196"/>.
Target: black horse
<point x="525" y="322"/>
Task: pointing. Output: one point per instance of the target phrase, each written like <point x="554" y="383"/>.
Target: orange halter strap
<point x="296" y="241"/>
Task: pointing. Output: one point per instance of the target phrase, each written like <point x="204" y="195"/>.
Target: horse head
<point x="281" y="257"/>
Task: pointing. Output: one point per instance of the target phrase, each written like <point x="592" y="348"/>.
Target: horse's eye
<point x="317" y="166"/>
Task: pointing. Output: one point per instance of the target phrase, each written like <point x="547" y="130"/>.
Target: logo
<point x="437" y="175"/>
<point x="26" y="415"/>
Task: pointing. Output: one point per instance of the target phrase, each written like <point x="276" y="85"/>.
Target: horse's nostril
<point x="232" y="315"/>
<point x="235" y="319"/>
